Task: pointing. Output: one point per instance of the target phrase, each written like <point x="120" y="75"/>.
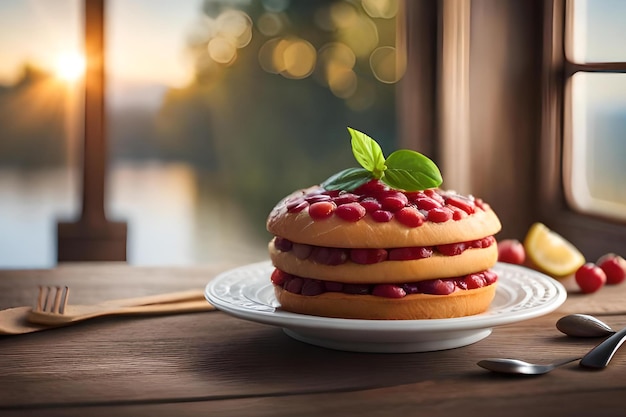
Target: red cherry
<point x="614" y="266"/>
<point x="590" y="278"/>
<point x="511" y="251"/>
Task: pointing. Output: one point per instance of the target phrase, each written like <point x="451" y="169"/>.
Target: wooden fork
<point x="52" y="306"/>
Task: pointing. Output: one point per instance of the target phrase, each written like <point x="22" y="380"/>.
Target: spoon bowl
<point x="516" y="366"/>
<point x="583" y="325"/>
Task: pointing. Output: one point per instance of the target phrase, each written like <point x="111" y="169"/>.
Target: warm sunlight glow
<point x="70" y="66"/>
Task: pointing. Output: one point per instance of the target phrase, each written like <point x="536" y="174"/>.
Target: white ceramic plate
<point x="246" y="292"/>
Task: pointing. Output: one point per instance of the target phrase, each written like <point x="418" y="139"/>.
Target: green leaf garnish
<point x="367" y="152"/>
<point x="348" y="179"/>
<point x="403" y="170"/>
<point x="411" y="171"/>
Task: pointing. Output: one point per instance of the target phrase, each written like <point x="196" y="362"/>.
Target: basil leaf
<point x="367" y="152"/>
<point x="411" y="171"/>
<point x="348" y="179"/>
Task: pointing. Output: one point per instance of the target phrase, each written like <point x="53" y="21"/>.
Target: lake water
<point x="170" y="222"/>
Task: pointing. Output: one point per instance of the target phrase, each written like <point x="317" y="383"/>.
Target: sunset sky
<point x="145" y="38"/>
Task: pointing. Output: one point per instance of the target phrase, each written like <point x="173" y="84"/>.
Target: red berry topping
<point x="344" y="198"/>
<point x="352" y="212"/>
<point x="294" y="284"/>
<point x="426" y="203"/>
<point x="382" y="216"/>
<point x="371" y="187"/>
<point x="329" y="256"/>
<point x="312" y="287"/>
<point x="314" y="198"/>
<point x="370" y="204"/>
<point x="322" y="210"/>
<point x="393" y="200"/>
<point x="440" y="215"/>
<point x="409" y="216"/>
<point x="282" y="244"/>
<point x="461" y="202"/>
<point x="301" y="250"/>
<point x="368" y="256"/>
<point x="297" y="205"/>
<point x="473" y="281"/>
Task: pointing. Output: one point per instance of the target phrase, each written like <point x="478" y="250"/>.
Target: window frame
<point x="592" y="234"/>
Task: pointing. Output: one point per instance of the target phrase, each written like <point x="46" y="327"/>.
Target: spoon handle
<point x="600" y="356"/>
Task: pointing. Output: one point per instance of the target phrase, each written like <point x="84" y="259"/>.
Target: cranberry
<point x="473" y="281"/>
<point x="345" y="197"/>
<point x="370" y="204"/>
<point x="432" y="193"/>
<point x="361" y="289"/>
<point x="279" y="277"/>
<point x="368" y="256"/>
<point x="457" y="213"/>
<point x="393" y="200"/>
<point x="322" y="210"/>
<point x="282" y="244"/>
<point x="409" y="216"/>
<point x="297" y="205"/>
<point x="437" y="286"/>
<point x="314" y="198"/>
<point x="382" y="216"/>
<point x="333" y="286"/>
<point x="371" y="187"/>
<point x="590" y="278"/>
<point x="440" y="215"/>
<point x="301" y="250"/>
<point x="490" y="276"/>
<point x="388" y="291"/>
<point x="511" y="251"/>
<point x="294" y="285"/>
<point x="452" y="249"/>
<point x="461" y="202"/>
<point x="329" y="256"/>
<point x="312" y="287"/>
<point x="405" y="254"/>
<point x="352" y="212"/>
<point x="614" y="266"/>
<point x="426" y="203"/>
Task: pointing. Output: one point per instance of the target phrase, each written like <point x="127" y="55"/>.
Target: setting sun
<point x="70" y="66"/>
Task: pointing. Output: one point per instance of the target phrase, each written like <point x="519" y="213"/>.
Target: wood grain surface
<point x="214" y="364"/>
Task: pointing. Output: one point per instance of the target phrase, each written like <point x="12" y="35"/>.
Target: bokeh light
<point x="291" y="57"/>
<point x="270" y="24"/>
<point x="385" y="65"/>
<point x="384" y="9"/>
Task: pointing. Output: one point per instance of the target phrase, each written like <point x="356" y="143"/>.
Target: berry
<point x="370" y="204"/>
<point x="440" y="214"/>
<point x="351" y="212"/>
<point x="614" y="266"/>
<point x="511" y="251"/>
<point x="393" y="200"/>
<point x="368" y="256"/>
<point x="382" y="216"/>
<point x="301" y="250"/>
<point x="426" y="203"/>
<point x="409" y="216"/>
<point x="462" y="203"/>
<point x="282" y="244"/>
<point x="279" y="277"/>
<point x="452" y="249"/>
<point x="437" y="286"/>
<point x="388" y="291"/>
<point x="405" y="254"/>
<point x="590" y="278"/>
<point x="322" y="210"/>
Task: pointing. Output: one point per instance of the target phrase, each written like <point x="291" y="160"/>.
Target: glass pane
<point x="217" y="109"/>
<point x="40" y="74"/>
<point x="596" y="173"/>
<point x="599" y="31"/>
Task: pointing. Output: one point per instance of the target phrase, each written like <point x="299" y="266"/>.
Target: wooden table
<point x="213" y="364"/>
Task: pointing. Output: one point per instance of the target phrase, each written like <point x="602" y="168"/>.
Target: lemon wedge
<point x="551" y="253"/>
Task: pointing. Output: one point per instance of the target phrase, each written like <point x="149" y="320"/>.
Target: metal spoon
<point x="583" y="325"/>
<point x="516" y="366"/>
<point x="597" y="358"/>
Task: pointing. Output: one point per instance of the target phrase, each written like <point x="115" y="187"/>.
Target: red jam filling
<point x="446" y="286"/>
<point x="337" y="256"/>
